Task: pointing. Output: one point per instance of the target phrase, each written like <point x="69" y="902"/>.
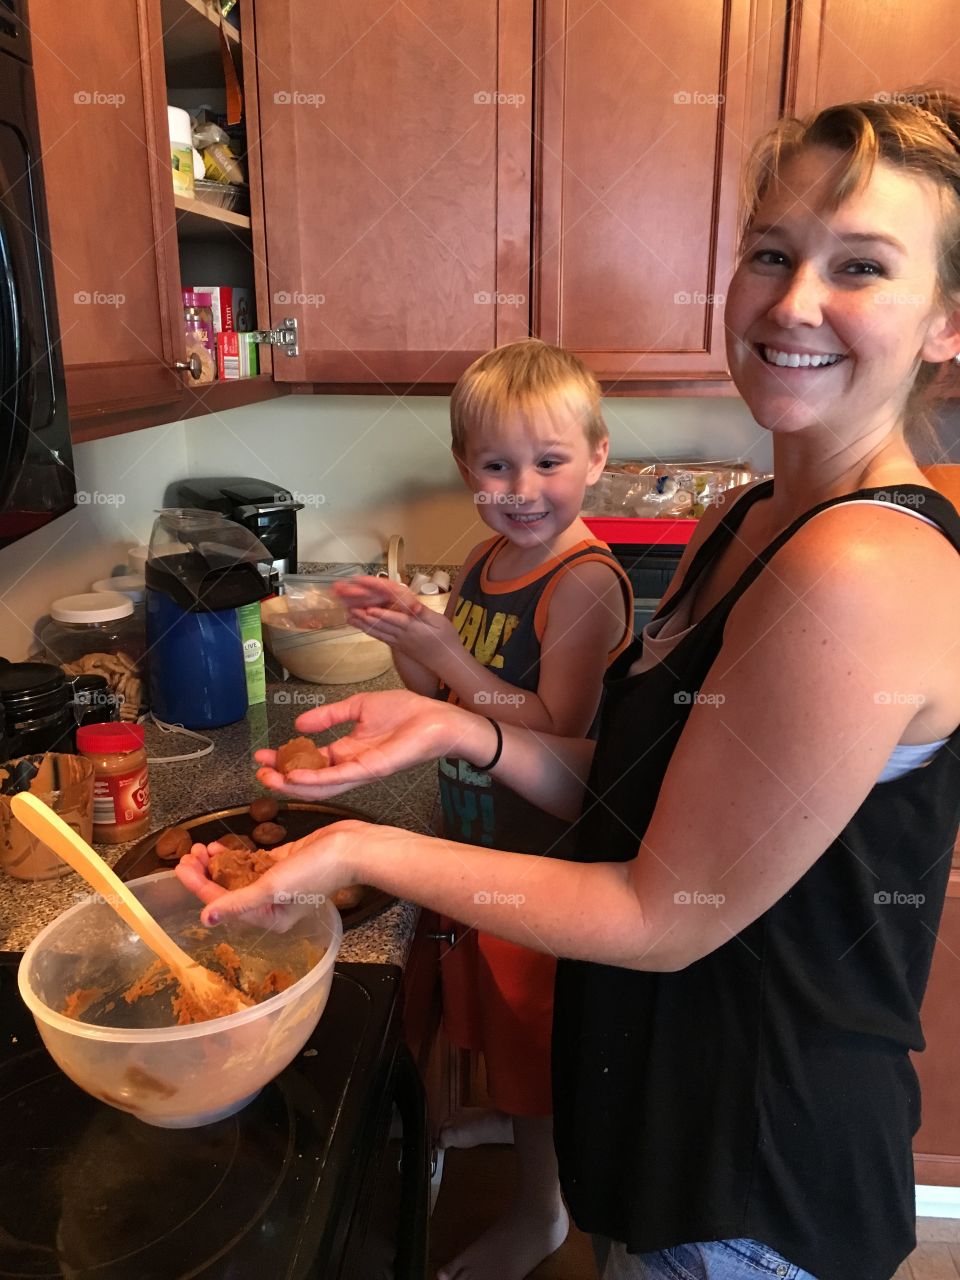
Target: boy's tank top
<point x="766" y="1090"/>
<point x="502" y="625"/>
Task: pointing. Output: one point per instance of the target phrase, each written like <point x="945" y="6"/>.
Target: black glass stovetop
<point x="89" y="1191"/>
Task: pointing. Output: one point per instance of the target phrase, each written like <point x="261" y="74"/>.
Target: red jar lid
<point x="109" y="739"/>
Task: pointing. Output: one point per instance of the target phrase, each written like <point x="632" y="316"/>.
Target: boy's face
<point x="529" y="475"/>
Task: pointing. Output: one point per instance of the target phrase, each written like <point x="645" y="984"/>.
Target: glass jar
<point x="96" y="633"/>
<point x="198" y="331"/>
<point x="121" y="786"/>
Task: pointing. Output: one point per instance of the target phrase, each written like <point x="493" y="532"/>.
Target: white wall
<point x="370" y="466"/>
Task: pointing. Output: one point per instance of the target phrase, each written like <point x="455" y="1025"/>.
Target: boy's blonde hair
<point x="526" y="376"/>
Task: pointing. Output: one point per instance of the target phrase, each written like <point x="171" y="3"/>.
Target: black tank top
<point x="501" y="624"/>
<point x="765" y="1090"/>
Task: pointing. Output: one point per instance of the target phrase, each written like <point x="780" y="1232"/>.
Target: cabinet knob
<point x="450" y="937"/>
<point x="193" y="364"/>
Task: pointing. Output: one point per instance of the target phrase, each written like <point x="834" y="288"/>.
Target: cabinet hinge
<point x="285" y="336"/>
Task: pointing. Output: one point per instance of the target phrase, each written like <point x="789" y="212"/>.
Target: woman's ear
<point x="942" y="342"/>
<point x="598" y="461"/>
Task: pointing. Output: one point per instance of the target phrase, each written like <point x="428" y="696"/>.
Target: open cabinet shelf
<point x="197" y="220"/>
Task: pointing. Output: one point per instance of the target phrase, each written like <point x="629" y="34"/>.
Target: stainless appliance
<point x="36" y="462"/>
<point x="268" y="510"/>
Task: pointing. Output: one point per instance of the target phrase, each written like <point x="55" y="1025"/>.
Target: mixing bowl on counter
<point x="128" y="1054"/>
<point x="308" y="635"/>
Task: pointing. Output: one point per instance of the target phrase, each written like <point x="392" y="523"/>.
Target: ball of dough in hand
<point x="300" y="753"/>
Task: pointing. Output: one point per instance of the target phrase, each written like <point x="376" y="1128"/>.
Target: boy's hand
<point x="390" y="612"/>
<point x="367" y="592"/>
<point x="426" y="636"/>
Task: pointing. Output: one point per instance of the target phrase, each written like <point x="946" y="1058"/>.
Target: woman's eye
<point x="861" y="268"/>
<point x="769" y="258"/>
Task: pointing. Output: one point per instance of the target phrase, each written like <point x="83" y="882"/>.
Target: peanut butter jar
<point x="121" y="788"/>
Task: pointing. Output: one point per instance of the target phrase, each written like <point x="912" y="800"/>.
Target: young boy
<point x="534" y="618"/>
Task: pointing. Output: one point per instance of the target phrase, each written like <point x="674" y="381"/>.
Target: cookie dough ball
<point x="238" y="844"/>
<point x="236" y="868"/>
<point x="300" y="753"/>
<point x="173" y="844"/>
<point x="348" y="898"/>
<point x="264" y="809"/>
<point x="269" y="833"/>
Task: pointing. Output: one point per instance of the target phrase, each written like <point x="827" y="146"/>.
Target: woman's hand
<point x="393" y="730"/>
<point x="306" y="872"/>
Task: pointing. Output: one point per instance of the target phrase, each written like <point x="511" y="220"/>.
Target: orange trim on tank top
<point x="515" y="584"/>
<point x="543" y="604"/>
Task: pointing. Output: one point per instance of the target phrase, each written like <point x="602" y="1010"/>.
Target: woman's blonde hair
<point x="528" y="376"/>
<point x="917" y="130"/>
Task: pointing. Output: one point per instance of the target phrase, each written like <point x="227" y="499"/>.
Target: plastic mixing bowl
<point x="172" y="1076"/>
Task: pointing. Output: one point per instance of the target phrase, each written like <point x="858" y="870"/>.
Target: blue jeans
<point x="711" y="1260"/>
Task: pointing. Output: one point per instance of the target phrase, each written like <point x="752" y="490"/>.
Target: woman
<point x="768" y="814"/>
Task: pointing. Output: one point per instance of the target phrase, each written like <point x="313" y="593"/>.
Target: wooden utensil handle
<point x="41" y="821"/>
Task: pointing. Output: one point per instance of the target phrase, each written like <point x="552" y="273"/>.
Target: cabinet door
<point x="646" y="115"/>
<point x="395" y="153"/>
<point x="840" y="51"/>
<point x="99" y="76"/>
<point x="937" y="1144"/>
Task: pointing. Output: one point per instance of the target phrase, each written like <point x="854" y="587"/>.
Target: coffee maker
<point x="266" y="509"/>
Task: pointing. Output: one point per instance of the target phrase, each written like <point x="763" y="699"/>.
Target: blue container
<point x="197" y="673"/>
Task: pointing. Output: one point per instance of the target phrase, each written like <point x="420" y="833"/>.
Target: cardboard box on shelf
<point x="232" y="307"/>
<point x="237" y="356"/>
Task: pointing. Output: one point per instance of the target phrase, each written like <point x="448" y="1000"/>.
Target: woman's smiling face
<point x="829" y="313"/>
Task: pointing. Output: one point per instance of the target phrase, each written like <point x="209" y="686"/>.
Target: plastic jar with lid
<point x="97" y="633"/>
<point x="121" y="787"/>
<point x="37" y="708"/>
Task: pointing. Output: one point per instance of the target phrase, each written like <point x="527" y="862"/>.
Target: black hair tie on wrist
<point x="485" y="768"/>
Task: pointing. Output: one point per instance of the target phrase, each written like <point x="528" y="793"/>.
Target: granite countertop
<point x="225" y="777"/>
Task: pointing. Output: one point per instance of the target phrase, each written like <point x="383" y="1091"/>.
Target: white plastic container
<point x="181" y="150"/>
<point x="171" y="1076"/>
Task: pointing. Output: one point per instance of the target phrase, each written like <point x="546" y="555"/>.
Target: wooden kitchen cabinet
<point x="123" y="244"/>
<point x="435" y="1058"/>
<point x="841" y="50"/>
<point x="646" y="114"/>
<point x="937" y="1144"/>
<point x="99" y="76"/>
<point x="396" y="179"/>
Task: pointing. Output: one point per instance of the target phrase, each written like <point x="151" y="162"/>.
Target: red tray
<point x="641" y="530"/>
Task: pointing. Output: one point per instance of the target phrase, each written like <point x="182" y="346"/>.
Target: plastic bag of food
<point x="310" y="604"/>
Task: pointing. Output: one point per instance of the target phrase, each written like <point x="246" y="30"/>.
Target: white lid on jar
<point x="92" y="606"/>
<point x="132" y="585"/>
<point x="138" y="557"/>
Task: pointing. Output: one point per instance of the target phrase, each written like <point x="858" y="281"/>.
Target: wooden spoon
<point x="212" y="995"/>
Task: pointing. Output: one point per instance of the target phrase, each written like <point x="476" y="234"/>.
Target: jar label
<point x="120" y="798"/>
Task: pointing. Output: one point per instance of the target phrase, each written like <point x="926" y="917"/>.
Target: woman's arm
<point x="822" y="670"/>
<point x="396" y="730"/>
